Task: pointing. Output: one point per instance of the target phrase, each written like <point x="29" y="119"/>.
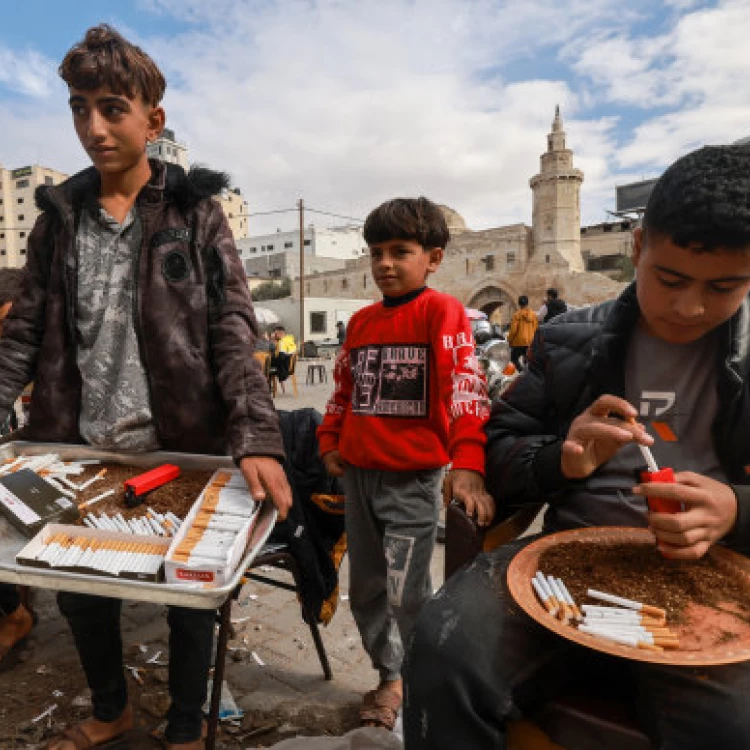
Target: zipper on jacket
<point x="137" y="323"/>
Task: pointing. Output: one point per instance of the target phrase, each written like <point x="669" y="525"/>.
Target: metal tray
<point x="11" y="541"/>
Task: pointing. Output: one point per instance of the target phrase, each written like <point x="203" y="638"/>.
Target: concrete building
<point x="167" y="148"/>
<point x="321" y="315"/>
<point x="18" y="212"/>
<point x="343" y="243"/>
<point x="489" y="269"/>
<point x="235" y="209"/>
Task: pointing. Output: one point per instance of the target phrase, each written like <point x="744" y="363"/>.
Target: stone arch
<point x="498" y="302"/>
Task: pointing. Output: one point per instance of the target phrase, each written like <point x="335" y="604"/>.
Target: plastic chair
<point x="265" y="364"/>
<point x="275" y="382"/>
<point x="583" y="718"/>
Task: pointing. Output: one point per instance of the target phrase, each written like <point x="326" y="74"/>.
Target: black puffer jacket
<point x="575" y="359"/>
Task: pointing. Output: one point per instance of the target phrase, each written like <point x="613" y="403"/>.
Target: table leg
<point x="221" y="654"/>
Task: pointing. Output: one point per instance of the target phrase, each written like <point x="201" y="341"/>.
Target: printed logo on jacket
<point x="391" y="380"/>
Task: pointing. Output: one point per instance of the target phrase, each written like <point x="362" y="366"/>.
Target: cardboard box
<point x="28" y="554"/>
<point x="211" y="575"/>
<point x="29" y="502"/>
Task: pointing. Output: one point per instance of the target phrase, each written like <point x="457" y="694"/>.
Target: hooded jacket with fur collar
<point x="193" y="318"/>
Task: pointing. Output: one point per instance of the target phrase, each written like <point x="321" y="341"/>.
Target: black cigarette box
<point x="30" y="503"/>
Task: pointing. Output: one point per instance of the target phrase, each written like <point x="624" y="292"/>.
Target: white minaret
<point x="556" y="216"/>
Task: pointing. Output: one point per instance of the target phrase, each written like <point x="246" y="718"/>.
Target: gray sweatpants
<point x="391" y="524"/>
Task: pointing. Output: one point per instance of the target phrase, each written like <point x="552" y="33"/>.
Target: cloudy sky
<point x="349" y="102"/>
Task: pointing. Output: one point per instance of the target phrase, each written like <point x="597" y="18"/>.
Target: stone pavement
<point x="285" y="694"/>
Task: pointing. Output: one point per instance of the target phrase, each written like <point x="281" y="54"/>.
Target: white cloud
<point x="28" y="72"/>
<point x="347" y="103"/>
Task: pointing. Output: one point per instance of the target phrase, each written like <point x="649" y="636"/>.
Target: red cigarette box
<point x="659" y="504"/>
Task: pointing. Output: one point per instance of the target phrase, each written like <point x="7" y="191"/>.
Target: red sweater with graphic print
<point x="409" y="392"/>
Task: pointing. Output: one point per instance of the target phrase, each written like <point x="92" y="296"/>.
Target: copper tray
<point x="526" y="563"/>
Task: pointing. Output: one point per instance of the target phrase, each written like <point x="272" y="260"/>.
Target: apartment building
<point x="167" y="148"/>
<point x="18" y="212"/>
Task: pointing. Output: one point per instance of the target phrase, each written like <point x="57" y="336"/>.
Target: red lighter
<point x="659" y="504"/>
<point x="137" y="487"/>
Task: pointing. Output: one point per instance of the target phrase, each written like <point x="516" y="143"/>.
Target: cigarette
<point x="625" y="640"/>
<point x="543" y="598"/>
<point x="547" y="590"/>
<point x="569" y="599"/>
<point x="97" y="498"/>
<point x="566" y="613"/>
<point x="627" y="603"/>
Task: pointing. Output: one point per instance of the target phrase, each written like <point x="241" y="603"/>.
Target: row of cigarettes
<point x="223" y="513"/>
<point x="628" y="622"/>
<point x="58" y="473"/>
<point x="150" y="524"/>
<point x="101" y="555"/>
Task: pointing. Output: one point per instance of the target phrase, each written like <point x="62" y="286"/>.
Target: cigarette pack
<point x="29" y="502"/>
<point x="226" y="486"/>
<point x="29" y="555"/>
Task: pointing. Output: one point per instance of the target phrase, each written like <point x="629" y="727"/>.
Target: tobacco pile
<point x="640" y="572"/>
<point x="177" y="495"/>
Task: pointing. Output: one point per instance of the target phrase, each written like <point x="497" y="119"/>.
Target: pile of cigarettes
<point x="224" y="511"/>
<point x="101" y="556"/>
<point x="58" y="473"/>
<point x="627" y="622"/>
<point x="151" y="524"/>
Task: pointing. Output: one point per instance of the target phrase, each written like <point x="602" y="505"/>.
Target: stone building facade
<point x="489" y="269"/>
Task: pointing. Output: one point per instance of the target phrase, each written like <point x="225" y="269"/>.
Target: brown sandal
<point x="380" y="708"/>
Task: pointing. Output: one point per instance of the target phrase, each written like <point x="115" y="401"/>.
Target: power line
<point x="338" y="216"/>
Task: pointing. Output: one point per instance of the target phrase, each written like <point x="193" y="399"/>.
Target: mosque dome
<point x="453" y="219"/>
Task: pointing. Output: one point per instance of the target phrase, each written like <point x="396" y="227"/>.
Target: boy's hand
<point x="595" y="436"/>
<point x="335" y="465"/>
<point x="265" y="475"/>
<point x="710" y="514"/>
<point x="468" y="488"/>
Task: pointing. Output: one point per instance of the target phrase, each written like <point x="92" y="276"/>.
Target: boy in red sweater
<point x="409" y="399"/>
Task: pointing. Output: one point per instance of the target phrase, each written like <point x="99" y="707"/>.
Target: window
<point x="288" y="244"/>
<point x="546" y="258"/>
<point x="48" y="180"/>
<point x="317" y="322"/>
<point x="607" y="227"/>
<point x="489" y="261"/>
<point x="307" y="243"/>
<point x="269" y="247"/>
<point x="231" y="216"/>
<point x="307" y="287"/>
<point x="2" y="252"/>
<point x="510" y="259"/>
<point x="22" y="251"/>
<point x="22" y="184"/>
<point x="325" y="286"/>
<point x="344" y="283"/>
<point x="364" y="281"/>
<point x="2" y="235"/>
<point x="23" y="234"/>
<point x="20" y="217"/>
<point x="20" y="200"/>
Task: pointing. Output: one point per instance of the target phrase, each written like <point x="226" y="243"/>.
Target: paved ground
<point x="286" y="694"/>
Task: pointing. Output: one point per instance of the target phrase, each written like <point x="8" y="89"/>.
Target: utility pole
<point x="301" y="205"/>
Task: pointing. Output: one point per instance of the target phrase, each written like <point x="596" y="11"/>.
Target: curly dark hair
<point x="104" y="58"/>
<point x="416" y="219"/>
<point x="702" y="201"/>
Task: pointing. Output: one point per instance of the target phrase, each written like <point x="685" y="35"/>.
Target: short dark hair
<point x="416" y="219"/>
<point x="552" y="292"/>
<point x="523" y="300"/>
<point x="703" y="199"/>
<point x="279" y="328"/>
<point x="105" y="58"/>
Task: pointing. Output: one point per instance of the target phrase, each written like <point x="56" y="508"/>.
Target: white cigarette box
<point x="211" y="575"/>
<point x="27" y="556"/>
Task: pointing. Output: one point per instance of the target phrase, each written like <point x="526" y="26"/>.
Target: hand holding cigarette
<point x="598" y="433"/>
<point x="710" y="514"/>
<point x="265" y="476"/>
